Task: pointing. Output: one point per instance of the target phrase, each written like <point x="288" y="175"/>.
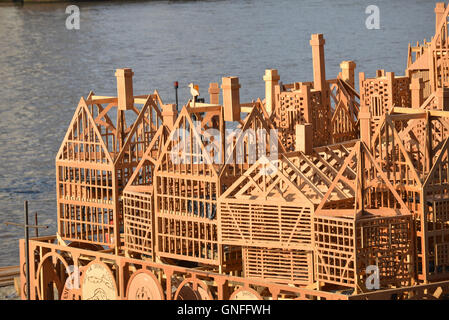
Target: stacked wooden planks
<point x="7" y="275"/>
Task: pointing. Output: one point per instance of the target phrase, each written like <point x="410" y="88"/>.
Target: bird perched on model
<point x="194" y="91"/>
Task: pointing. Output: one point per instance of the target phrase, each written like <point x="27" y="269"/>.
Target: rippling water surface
<point x="45" y="68"/>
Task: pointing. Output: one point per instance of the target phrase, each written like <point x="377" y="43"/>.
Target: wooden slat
<point x="7" y="275"/>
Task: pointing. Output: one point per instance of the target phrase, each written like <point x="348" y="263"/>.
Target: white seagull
<point x="194" y="91"/>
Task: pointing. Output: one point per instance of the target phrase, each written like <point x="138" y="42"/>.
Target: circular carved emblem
<point x="98" y="283"/>
<point x="143" y="285"/>
<point x="245" y="294"/>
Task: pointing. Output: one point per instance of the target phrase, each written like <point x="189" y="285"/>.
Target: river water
<point x="46" y="68"/>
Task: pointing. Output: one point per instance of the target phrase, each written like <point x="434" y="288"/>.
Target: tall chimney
<point x="364" y="114"/>
<point x="169" y="114"/>
<point x="416" y="88"/>
<point x="271" y="79"/>
<point x="304" y="137"/>
<point x="347" y="72"/>
<point x="365" y="125"/>
<point x="319" y="72"/>
<point x="361" y="89"/>
<point x="214" y="93"/>
<point x="231" y="98"/>
<point x="440" y="7"/>
<point x="125" y="95"/>
<point x="307" y="102"/>
<point x="380" y="73"/>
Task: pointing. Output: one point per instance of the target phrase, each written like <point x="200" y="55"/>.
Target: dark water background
<point x="45" y="68"/>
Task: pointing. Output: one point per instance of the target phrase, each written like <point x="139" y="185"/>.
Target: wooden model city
<point x="154" y="209"/>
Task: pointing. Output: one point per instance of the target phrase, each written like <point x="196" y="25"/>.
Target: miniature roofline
<point x="230" y="86"/>
<point x="395" y="175"/>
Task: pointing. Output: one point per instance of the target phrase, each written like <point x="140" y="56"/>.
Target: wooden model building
<point x="315" y="189"/>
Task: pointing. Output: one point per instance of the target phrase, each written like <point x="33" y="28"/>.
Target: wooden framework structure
<point x="375" y="229"/>
<point x="175" y="206"/>
<point x="138" y="204"/>
<point x="329" y="107"/>
<point x="379" y="95"/>
<point x="429" y="61"/>
<point x="414" y="156"/>
<point x="187" y="191"/>
<point x="95" y="161"/>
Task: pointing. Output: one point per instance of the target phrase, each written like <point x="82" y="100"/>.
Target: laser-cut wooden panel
<point x="278" y="265"/>
<point x="386" y="242"/>
<point x="138" y="222"/>
<point x="257" y="209"/>
<point x="335" y="251"/>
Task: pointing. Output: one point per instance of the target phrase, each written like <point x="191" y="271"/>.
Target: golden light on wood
<point x="359" y="179"/>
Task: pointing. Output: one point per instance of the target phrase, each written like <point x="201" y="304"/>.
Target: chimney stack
<point x="231" y="98"/>
<point x="416" y="88"/>
<point x="271" y="79"/>
<point x="319" y="72"/>
<point x="304" y="137"/>
<point x="347" y="72"/>
<point x="364" y="114"/>
<point x="380" y="73"/>
<point x="365" y="125"/>
<point x="125" y="95"/>
<point x="214" y="93"/>
<point x="440" y="7"/>
<point x="169" y="114"/>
